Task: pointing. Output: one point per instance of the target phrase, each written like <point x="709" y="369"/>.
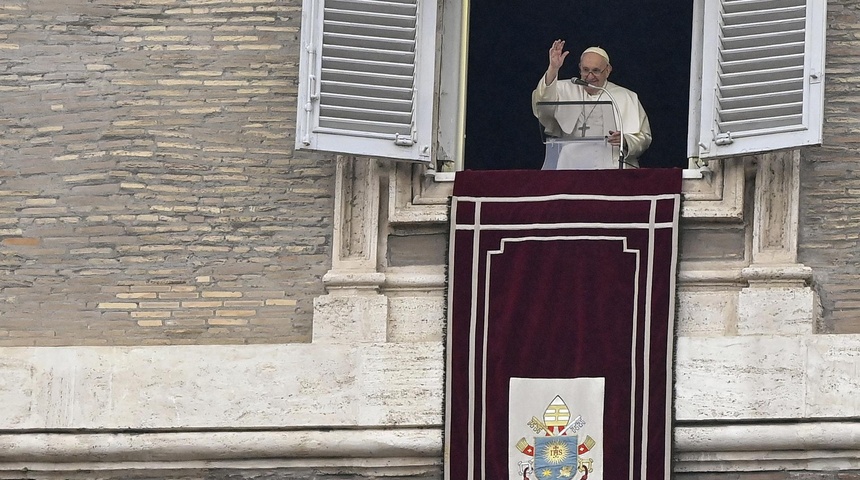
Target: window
<point x="371" y="73"/>
<point x="501" y="131"/>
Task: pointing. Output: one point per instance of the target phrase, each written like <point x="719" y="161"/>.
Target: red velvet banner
<point x="560" y="324"/>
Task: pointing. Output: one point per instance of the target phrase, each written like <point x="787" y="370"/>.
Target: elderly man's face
<point x="594" y="69"/>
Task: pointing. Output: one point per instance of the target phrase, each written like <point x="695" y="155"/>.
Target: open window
<point x="383" y="78"/>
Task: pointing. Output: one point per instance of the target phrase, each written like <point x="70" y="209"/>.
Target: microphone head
<point x="580" y="81"/>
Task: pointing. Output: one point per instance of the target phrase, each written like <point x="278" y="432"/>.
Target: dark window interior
<point x="648" y="42"/>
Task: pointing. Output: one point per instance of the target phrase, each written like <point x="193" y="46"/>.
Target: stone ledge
<point x="358" y="445"/>
<point x="810" y="446"/>
<point x="221" y="387"/>
<point x="816" y="446"/>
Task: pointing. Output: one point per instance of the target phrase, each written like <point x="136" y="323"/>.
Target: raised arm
<point x="557" y="54"/>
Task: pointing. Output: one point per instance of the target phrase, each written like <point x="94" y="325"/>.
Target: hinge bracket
<point x="403" y="140"/>
<point x="724" y="139"/>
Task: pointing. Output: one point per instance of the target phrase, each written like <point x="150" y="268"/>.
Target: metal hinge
<point x="815" y="76"/>
<point x="403" y="140"/>
<point x="724" y="139"/>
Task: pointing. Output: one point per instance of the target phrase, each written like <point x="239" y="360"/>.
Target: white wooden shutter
<point x="762" y="76"/>
<point x="366" y="77"/>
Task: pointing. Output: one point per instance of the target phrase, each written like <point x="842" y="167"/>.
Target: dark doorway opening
<point x="647" y="41"/>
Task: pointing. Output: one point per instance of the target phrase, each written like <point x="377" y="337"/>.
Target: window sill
<point x="687" y="174"/>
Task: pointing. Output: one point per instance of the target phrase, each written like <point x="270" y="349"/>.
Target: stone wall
<point x="149" y="192"/>
<point x="829" y="208"/>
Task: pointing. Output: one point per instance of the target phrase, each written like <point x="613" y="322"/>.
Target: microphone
<point x="621" y="155"/>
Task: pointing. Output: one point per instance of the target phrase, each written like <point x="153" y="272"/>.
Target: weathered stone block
<point x="776" y="310"/>
<point x="350" y="319"/>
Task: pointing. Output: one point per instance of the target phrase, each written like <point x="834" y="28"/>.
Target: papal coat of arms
<point x="555" y="450"/>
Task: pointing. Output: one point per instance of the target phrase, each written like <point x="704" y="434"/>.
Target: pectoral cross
<point x="583" y="128"/>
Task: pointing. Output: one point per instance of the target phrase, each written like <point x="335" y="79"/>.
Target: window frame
<point x="441" y="82"/>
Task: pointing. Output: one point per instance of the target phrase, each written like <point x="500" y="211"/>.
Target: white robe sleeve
<point x="557" y="120"/>
<point x="637" y="129"/>
<point x="546" y="115"/>
<point x="635" y="124"/>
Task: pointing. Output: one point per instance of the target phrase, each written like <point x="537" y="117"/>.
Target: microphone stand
<point x="615" y="111"/>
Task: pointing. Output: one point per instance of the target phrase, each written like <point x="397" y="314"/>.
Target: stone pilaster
<point x="778" y="299"/>
<point x="353" y="310"/>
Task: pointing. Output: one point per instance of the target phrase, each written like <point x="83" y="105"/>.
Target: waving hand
<point x="557" y="54"/>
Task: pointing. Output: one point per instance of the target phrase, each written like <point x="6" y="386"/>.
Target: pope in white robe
<point x="564" y="123"/>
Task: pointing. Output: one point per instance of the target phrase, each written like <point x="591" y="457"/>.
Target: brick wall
<point x="830" y="179"/>
<point x="149" y="192"/>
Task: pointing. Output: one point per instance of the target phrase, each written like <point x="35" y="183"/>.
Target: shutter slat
<point x="369" y="54"/>
<point x="394" y="44"/>
<point x="734" y="6"/>
<point x="763" y="40"/>
<point x="381" y="20"/>
<point x="761" y="76"/>
<point x="367" y="103"/>
<point x="763" y="125"/>
<point x="368" y="6"/>
<point x="731" y="91"/>
<point x="736" y="30"/>
<point x="361" y="29"/>
<point x="760" y="112"/>
<point x="364" y="90"/>
<point x="369" y="115"/>
<point x="765" y="15"/>
<point x="761" y="99"/>
<point x="763" y="64"/>
<point x="388" y="68"/>
<point x="758" y="52"/>
<point x="363" y="78"/>
<point x="337" y="125"/>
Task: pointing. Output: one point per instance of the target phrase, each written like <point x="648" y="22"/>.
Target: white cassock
<point x="566" y="121"/>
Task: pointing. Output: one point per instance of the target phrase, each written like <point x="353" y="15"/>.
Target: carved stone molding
<point x="818" y="446"/>
<point x="717" y="195"/>
<point x="767" y="447"/>
<point x="419" y="195"/>
<point x="356" y="216"/>
<point x="312" y="444"/>
<point x="778" y="299"/>
<point x="775" y="219"/>
<point x="415" y="195"/>
<point x="353" y="310"/>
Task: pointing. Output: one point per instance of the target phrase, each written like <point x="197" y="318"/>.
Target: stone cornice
<point x="818" y="445"/>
